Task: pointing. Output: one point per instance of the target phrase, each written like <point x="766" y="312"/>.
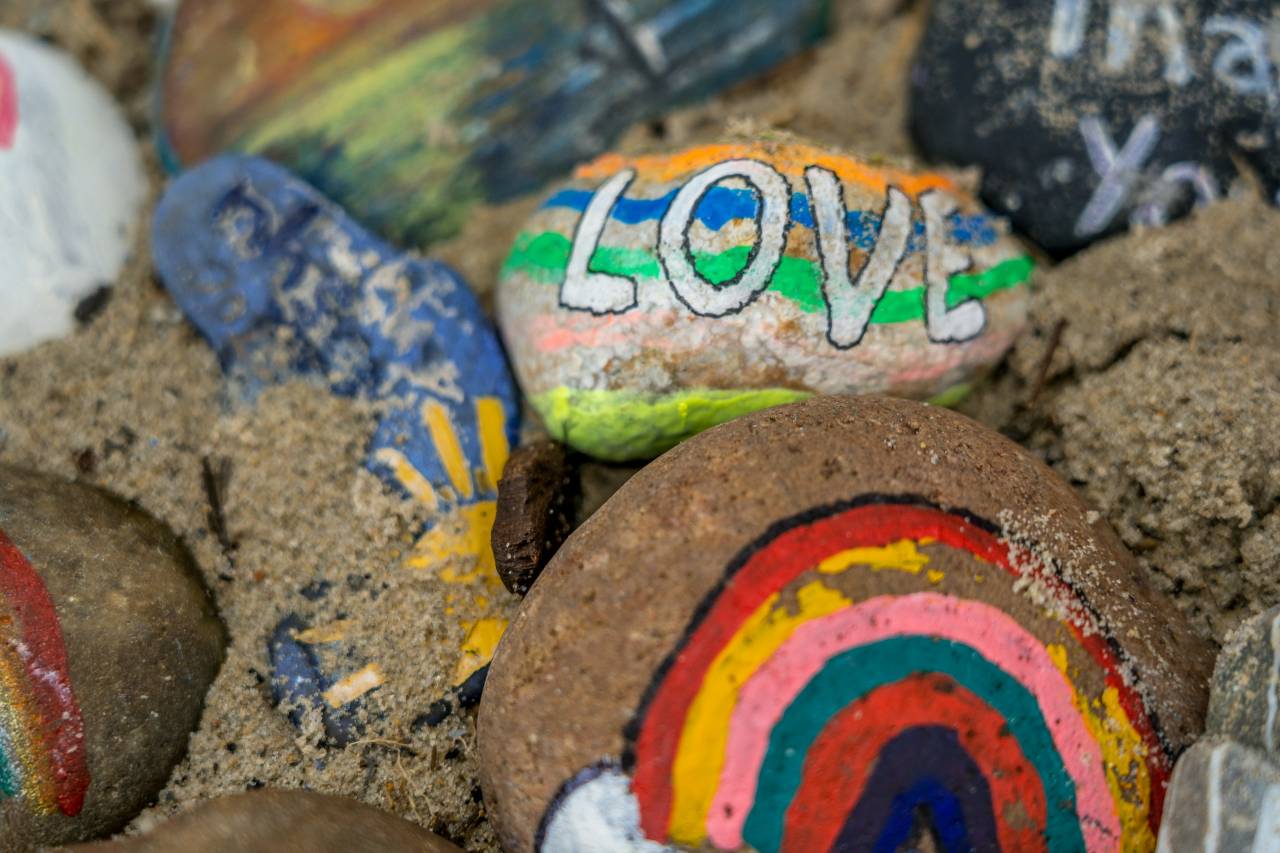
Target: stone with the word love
<point x="71" y="188"/>
<point x="1225" y="798"/>
<point x="407" y="113"/>
<point x="108" y="643"/>
<point x="285" y="285"/>
<point x="1089" y="117"/>
<point x="281" y="821"/>
<point x="1245" y="693"/>
<point x="844" y="624"/>
<point x="652" y="297"/>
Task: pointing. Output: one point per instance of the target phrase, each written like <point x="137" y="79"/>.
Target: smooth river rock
<point x="652" y="297"/>
<point x="408" y="112"/>
<point x="1088" y="117"/>
<point x="71" y="187"/>
<point x="848" y="623"/>
<point x="110" y="642"/>
<point x="1245" y="694"/>
<point x="280" y="821"/>
<point x="1225" y="798"/>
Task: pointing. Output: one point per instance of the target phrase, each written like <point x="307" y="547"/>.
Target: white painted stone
<point x="71" y="185"/>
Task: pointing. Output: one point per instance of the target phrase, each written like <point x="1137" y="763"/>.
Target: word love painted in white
<point x="850" y="300"/>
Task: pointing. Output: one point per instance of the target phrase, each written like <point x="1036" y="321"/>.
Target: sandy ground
<point x="1150" y="380"/>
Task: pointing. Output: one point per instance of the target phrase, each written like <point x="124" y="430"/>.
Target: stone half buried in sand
<point x="71" y="185"/>
<point x="1086" y="117"/>
<point x="1245" y="693"/>
<point x="285" y="285"/>
<point x="407" y="112"/>
<point x="848" y="623"/>
<point x="1225" y="798"/>
<point x="108" y="643"/>
<point x="280" y="821"/>
<point x="652" y="297"/>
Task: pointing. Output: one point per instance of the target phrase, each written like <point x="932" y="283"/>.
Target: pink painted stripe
<point x="990" y="632"/>
<point x="8" y="104"/>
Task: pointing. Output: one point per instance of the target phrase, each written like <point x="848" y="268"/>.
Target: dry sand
<point x="1159" y="398"/>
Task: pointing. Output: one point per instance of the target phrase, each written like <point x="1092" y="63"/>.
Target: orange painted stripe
<point x="790" y="159"/>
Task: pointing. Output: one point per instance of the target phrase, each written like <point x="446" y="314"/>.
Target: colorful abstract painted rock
<point x="844" y="624"/>
<point x="1088" y="117"/>
<point x="284" y="284"/>
<point x="108" y="643"/>
<point x="71" y="185"/>
<point x="407" y="112"/>
<point x="653" y="297"/>
<point x="280" y="821"/>
<point x="1225" y="798"/>
<point x="1245" y="693"/>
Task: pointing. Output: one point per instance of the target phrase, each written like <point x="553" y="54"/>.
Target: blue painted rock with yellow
<point x="407" y="112"/>
<point x="71" y="191"/>
<point x="850" y="623"/>
<point x="284" y="285"/>
<point x="652" y="297"/>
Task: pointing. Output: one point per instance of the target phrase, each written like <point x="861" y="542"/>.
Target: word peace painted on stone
<point x="849" y="296"/>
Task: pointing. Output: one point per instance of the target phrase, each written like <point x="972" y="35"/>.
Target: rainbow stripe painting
<point x="810" y="708"/>
<point x="42" y="755"/>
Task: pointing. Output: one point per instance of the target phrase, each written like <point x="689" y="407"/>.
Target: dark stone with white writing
<point x="1224" y="798"/>
<point x="1089" y="117"/>
<point x="535" y="512"/>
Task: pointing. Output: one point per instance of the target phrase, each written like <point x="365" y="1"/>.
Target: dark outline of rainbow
<point x="957" y="528"/>
<point x="55" y="718"/>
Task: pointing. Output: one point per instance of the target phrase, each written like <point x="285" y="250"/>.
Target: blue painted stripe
<point x="722" y="205"/>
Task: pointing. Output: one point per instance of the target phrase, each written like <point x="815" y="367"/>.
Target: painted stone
<point x="1225" y="798"/>
<point x="652" y="297"/>
<point x="1243" y="697"/>
<point x="316" y="672"/>
<point x="71" y="185"/>
<point x="848" y="623"/>
<point x="284" y="284"/>
<point x="280" y="821"/>
<point x="407" y="113"/>
<point x="109" y="645"/>
<point x="1088" y="117"/>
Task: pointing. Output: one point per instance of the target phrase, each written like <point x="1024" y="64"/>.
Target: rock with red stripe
<point x="846" y="624"/>
<point x="108" y="643"/>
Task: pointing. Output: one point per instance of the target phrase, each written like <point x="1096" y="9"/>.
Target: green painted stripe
<point x="544" y="258"/>
<point x="856" y="672"/>
<point x="618" y="426"/>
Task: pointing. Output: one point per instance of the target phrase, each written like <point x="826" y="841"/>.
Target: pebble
<point x="652" y="297"/>
<point x="283" y="284"/>
<point x="849" y="623"/>
<point x="1087" y="118"/>
<point x="1243" y="695"/>
<point x="71" y="185"/>
<point x="110" y="642"/>
<point x="280" y="821"/>
<point x="536" y="498"/>
<point x="519" y="92"/>
<point x="1225" y="798"/>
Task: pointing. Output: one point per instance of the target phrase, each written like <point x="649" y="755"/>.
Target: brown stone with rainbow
<point x="843" y="624"/>
<point x="652" y="297"/>
<point x="108" y="643"/>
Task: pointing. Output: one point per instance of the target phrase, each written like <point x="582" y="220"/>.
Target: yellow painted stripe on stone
<point x="478" y="647"/>
<point x="448" y="448"/>
<point x="902" y="556"/>
<point x="354" y="686"/>
<point x="409" y="477"/>
<point x="494" y="448"/>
